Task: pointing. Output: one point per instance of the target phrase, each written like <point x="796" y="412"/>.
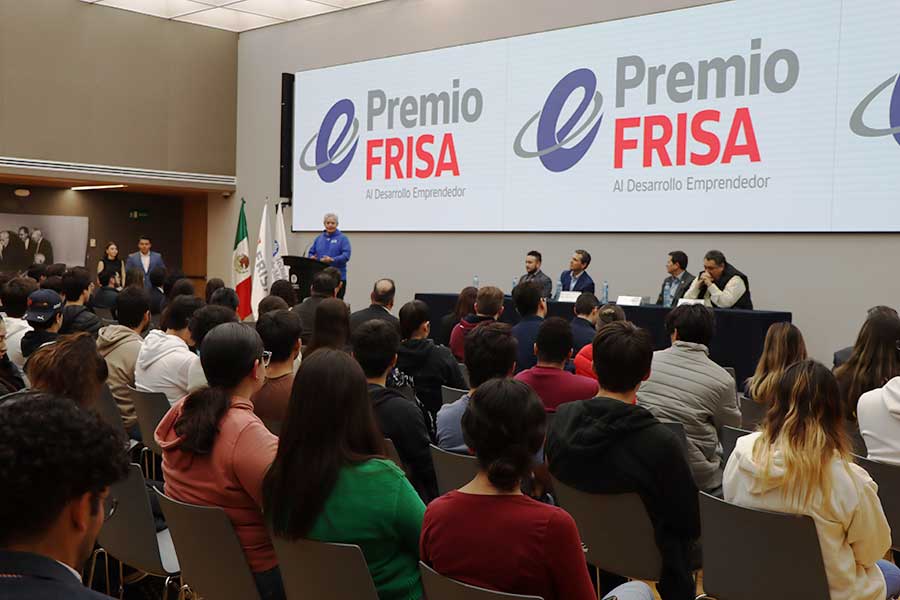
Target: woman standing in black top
<point x="111" y="262"/>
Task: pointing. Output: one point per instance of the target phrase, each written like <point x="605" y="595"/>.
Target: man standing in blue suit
<point x="145" y="260"/>
<point x="576" y="278"/>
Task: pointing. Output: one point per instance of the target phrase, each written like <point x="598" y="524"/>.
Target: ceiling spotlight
<point x="22" y="193"/>
<point x="81" y="188"/>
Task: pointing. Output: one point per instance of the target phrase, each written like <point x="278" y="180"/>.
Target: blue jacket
<point x="583" y="333"/>
<point x="525" y="332"/>
<point x="36" y="577"/>
<point x="584" y="283"/>
<point x="336" y="245"/>
<point x="134" y="262"/>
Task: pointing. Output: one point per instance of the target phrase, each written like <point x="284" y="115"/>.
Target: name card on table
<point x="568" y="296"/>
<point x="629" y="300"/>
<point x="684" y="301"/>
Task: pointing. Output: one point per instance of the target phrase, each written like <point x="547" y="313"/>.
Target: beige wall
<point x="827" y="281"/>
<point x="88" y="84"/>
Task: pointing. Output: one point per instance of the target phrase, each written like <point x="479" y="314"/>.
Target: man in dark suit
<point x="576" y="278"/>
<point x="678" y="282"/>
<point x="43" y="249"/>
<point x="324" y="285"/>
<point x="59" y="463"/>
<point x="532" y="307"/>
<point x="145" y="260"/>
<point x="382" y="297"/>
<point x="584" y="325"/>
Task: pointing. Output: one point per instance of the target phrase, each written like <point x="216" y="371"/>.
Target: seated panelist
<point x="720" y="284"/>
<point x="576" y="279"/>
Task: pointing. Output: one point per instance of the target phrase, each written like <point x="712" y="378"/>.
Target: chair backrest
<point x="106" y="407"/>
<point x="888" y="479"/>
<point x="211" y="558"/>
<point x="391" y="451"/>
<point x="730" y="437"/>
<point x="616" y="530"/>
<point x="750" y="554"/>
<point x="103" y="313"/>
<point x="733" y="373"/>
<point x="150" y="408"/>
<point x="465" y="372"/>
<point x="450" y="395"/>
<point x="438" y="587"/>
<point x="452" y="470"/>
<point x="130" y="533"/>
<point x="752" y="414"/>
<point x="320" y="570"/>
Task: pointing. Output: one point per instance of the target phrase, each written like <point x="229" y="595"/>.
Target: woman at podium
<point x="332" y="248"/>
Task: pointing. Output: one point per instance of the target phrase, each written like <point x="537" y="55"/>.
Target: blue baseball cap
<point x="43" y="305"/>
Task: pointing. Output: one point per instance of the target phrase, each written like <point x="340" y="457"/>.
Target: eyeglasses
<point x="266" y="358"/>
<point x="110" y="504"/>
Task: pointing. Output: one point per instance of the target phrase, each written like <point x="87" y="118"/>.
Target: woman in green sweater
<point x="330" y="481"/>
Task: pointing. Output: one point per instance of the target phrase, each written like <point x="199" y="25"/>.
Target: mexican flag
<point x="240" y="265"/>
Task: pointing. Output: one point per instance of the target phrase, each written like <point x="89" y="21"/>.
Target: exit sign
<point x="138" y="214"/>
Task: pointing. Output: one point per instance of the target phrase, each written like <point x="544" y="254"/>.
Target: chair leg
<point x="121" y="578"/>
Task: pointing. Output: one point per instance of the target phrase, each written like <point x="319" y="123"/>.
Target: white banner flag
<point x="279" y="246"/>
<point x="261" y="267"/>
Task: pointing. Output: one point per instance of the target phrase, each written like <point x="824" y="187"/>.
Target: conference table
<point x="738" y="342"/>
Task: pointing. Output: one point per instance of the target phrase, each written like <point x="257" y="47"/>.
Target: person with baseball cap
<point x="44" y="314"/>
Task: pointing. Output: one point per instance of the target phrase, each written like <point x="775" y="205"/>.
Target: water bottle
<point x="558" y="290"/>
<point x="605" y="292"/>
<point x="475" y="281"/>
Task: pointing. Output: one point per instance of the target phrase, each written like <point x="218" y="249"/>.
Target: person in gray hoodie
<point x="165" y="360"/>
<point x="119" y="345"/>
<point x="687" y="387"/>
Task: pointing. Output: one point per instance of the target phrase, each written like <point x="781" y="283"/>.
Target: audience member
<point x="382" y="298"/>
<point x="226" y="297"/>
<point x="490" y="352"/>
<point x="843" y="355"/>
<point x="687" y="387"/>
<point x="323" y="286"/>
<point x="783" y="347"/>
<point x="270" y="303"/>
<point x="800" y="463"/>
<point x="375" y="345"/>
<point x="134" y="277"/>
<point x="878" y="413"/>
<point x="216" y="451"/>
<point x="874" y="361"/>
<point x="44" y="315"/>
<point x="181" y="287"/>
<point x="584" y="323"/>
<point x="533" y="274"/>
<point x="203" y="321"/>
<point x="37" y="272"/>
<point x="56" y="270"/>
<point x="532" y="309"/>
<point x="331" y="328"/>
<point x="165" y="359"/>
<point x="171" y="278"/>
<point x="58" y="463"/>
<point x="488" y="307"/>
<point x="284" y="289"/>
<point x="720" y="284"/>
<point x="14" y="296"/>
<point x="105" y="296"/>
<point x="465" y="305"/>
<point x="576" y="279"/>
<point x="330" y="481"/>
<point x="119" y="345"/>
<point x="211" y="286"/>
<point x="54" y="283"/>
<point x="71" y="367"/>
<point x="678" y="282"/>
<point x="280" y="333"/>
<point x="431" y="366"/>
<point x="11" y="380"/>
<point x="584" y="359"/>
<point x="157" y="278"/>
<point x="77" y="288"/>
<point x="491" y="535"/>
<point x="608" y="445"/>
<point x="549" y="379"/>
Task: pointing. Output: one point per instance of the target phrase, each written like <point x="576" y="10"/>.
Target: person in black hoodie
<point x="375" y="345"/>
<point x="429" y="364"/>
<point x="44" y="314"/>
<point x="77" y="288"/>
<point x="608" y="445"/>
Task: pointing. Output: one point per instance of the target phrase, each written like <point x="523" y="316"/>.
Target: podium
<point x="301" y="271"/>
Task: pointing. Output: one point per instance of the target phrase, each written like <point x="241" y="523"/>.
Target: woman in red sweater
<point x="491" y="535"/>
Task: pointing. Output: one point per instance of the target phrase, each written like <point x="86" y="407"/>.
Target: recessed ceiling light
<point x="22" y="193"/>
<point x="81" y="188"/>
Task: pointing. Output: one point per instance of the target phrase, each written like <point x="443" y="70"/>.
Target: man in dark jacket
<point x="584" y="325"/>
<point x="44" y="314"/>
<point x="323" y="286"/>
<point x="532" y="307"/>
<point x="106" y="296"/>
<point x="488" y="307"/>
<point x="382" y="302"/>
<point x="608" y="445"/>
<point x="77" y="288"/>
<point x="375" y="345"/>
<point x="430" y="365"/>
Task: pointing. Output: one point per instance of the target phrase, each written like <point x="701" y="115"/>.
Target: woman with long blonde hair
<point x="783" y="347"/>
<point x="800" y="463"/>
<point x="875" y="360"/>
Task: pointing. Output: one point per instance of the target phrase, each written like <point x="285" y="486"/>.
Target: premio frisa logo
<point x="858" y="126"/>
<point x="331" y="161"/>
<point x="552" y="145"/>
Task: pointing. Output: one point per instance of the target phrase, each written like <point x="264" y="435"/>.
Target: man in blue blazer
<point x="59" y="464"/>
<point x="145" y="260"/>
<point x="576" y="278"/>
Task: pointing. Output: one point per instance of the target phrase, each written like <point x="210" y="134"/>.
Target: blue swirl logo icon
<point x="331" y="161"/>
<point x="552" y="144"/>
<point x="858" y="126"/>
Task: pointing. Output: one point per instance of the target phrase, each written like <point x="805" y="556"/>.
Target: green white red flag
<point x="240" y="266"/>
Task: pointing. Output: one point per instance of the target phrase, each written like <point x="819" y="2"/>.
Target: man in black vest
<point x="720" y="284"/>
